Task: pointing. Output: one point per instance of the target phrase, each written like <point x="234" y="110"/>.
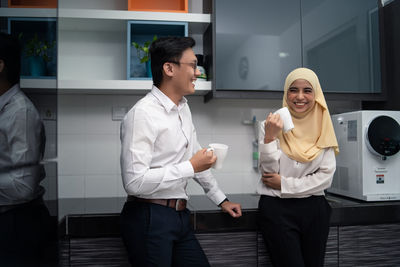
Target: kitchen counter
<point x="93" y="217"/>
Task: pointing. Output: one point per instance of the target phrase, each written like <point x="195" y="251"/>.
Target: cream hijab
<point x="313" y="129"/>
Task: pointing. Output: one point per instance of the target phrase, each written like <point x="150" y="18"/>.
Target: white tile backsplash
<point x="100" y="186"/>
<point x="231" y="182"/>
<point x="101" y="154"/>
<point x="71" y="119"/>
<point x="71" y="186"/>
<point x="89" y="145"/>
<point x="71" y="154"/>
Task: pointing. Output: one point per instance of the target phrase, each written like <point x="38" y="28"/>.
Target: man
<point x="159" y="154"/>
<point x="23" y="215"/>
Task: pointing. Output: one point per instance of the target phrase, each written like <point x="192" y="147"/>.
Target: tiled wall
<point x="89" y="145"/>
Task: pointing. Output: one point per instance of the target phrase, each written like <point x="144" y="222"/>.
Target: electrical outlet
<point x="48" y="113"/>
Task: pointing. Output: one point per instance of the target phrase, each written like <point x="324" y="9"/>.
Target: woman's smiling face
<point x="300" y="96"/>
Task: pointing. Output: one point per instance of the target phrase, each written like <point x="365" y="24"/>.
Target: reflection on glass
<point x="38" y="40"/>
<point x="258" y="43"/>
<point x="34" y="208"/>
<point x="341" y="44"/>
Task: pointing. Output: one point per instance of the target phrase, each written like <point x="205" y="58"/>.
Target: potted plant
<point x="143" y="54"/>
<point x="38" y="54"/>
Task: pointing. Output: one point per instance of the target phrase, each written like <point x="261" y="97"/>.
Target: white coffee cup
<point x="286" y="118"/>
<point x="220" y="151"/>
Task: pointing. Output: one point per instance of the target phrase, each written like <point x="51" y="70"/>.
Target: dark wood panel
<point x="230" y="249"/>
<point x="372" y="245"/>
<point x="263" y="255"/>
<point x="98" y="252"/>
<point x="331" y="254"/>
<point x="64" y="252"/>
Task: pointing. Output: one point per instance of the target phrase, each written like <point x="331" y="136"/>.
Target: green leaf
<point x="136" y="45"/>
<point x="144" y="59"/>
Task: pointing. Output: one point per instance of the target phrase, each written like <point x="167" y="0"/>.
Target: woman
<point x="297" y="166"/>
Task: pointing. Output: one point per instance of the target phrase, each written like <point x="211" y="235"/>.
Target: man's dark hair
<point x="10" y="53"/>
<point x="167" y="49"/>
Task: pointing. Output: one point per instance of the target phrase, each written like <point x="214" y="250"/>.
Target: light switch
<point x="118" y="113"/>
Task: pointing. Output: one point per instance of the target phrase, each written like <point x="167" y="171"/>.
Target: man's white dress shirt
<point x="158" y="139"/>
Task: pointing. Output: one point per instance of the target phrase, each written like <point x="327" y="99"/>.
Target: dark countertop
<point x="100" y="216"/>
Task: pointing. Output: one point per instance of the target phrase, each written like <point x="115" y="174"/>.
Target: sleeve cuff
<point x="217" y="196"/>
<point x="284" y="187"/>
<point x="186" y="169"/>
<point x="268" y="148"/>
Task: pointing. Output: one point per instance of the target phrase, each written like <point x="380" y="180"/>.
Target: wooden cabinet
<point x="370" y="245"/>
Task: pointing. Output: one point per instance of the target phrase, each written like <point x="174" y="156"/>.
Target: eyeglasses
<point x="192" y="64"/>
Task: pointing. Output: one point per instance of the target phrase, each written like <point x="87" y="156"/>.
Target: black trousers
<point x="295" y="231"/>
<point x="155" y="235"/>
<point x="24" y="233"/>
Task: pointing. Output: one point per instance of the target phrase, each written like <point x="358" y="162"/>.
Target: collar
<point x="165" y="101"/>
<point x="5" y="98"/>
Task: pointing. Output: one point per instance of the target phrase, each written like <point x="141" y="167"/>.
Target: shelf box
<point x="33" y="3"/>
<point x="142" y="31"/>
<point x="44" y="29"/>
<point x="180" y="6"/>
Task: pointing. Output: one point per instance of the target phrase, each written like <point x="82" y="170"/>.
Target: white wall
<point x="89" y="145"/>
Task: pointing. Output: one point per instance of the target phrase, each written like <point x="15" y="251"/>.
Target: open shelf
<point x="32" y="3"/>
<point x="105" y="14"/>
<point x="28" y="12"/>
<point x="159" y="5"/>
<point x="101" y="86"/>
<point x="35" y="34"/>
<point x="133" y="15"/>
<point x="39" y="83"/>
<point x="141" y="32"/>
<point x="117" y="86"/>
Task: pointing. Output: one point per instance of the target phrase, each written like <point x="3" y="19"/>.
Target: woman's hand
<point x="273" y="126"/>
<point x="272" y="180"/>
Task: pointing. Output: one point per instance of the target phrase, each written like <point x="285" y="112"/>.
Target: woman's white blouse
<point x="298" y="180"/>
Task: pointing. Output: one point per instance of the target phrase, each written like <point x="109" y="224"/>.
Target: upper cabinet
<point x="340" y="41"/>
<point x="248" y="46"/>
<point x="258" y="42"/>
